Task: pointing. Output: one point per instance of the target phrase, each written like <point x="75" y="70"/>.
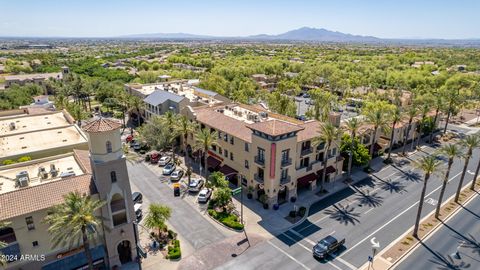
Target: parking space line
<point x="288" y="255"/>
<point x="303" y="237"/>
<point x="349" y="265"/>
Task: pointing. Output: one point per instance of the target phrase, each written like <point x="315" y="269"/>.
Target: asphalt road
<point x="436" y="252"/>
<point x="186" y="220"/>
<point x="383" y="207"/>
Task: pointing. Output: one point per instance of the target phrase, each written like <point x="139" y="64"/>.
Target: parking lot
<point x="304" y="104"/>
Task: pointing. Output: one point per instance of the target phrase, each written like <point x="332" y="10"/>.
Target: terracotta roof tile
<point x="101" y="125"/>
<point x="310" y="131"/>
<point x="83" y="158"/>
<point x="275" y="127"/>
<point x="224" y="123"/>
<point x="35" y="198"/>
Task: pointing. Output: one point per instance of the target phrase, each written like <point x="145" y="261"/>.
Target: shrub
<point x="172" y="234"/>
<point x="118" y="115"/>
<point x="174" y="251"/>
<point x="226" y="219"/>
<point x="301" y="211"/>
<point x="24" y="158"/>
<point x="292" y="214"/>
<point x="8" y="162"/>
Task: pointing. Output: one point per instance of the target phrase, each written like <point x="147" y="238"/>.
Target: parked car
<point x="129" y="138"/>
<point x="326" y="246"/>
<point x="195" y="185"/>
<point x="176" y="189"/>
<point x="138" y="211"/>
<point x="154" y="157"/>
<point x="169" y="168"/>
<point x="137" y="146"/>
<point x="204" y="195"/>
<point x="176" y="175"/>
<point x="164" y="160"/>
<point x="137" y="197"/>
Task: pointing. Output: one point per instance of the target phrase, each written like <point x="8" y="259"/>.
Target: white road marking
<point x="349" y="265"/>
<point x="470" y="172"/>
<point x="366" y="212"/>
<point x="288" y="255"/>
<point x="336" y="267"/>
<point x="303" y="237"/>
<point x="393" y="219"/>
<point x="431" y="201"/>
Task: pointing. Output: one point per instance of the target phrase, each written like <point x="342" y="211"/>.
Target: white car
<point x="168" y="169"/>
<point x="164" y="161"/>
<point x="204" y="195"/>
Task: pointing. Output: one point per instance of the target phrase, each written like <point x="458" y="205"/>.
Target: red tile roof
<point x="224" y="123"/>
<point x="275" y="127"/>
<point x="102" y="125"/>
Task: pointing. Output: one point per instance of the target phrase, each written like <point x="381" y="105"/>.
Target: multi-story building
<point x="39" y="78"/>
<point x="29" y="189"/>
<point x="271" y="153"/>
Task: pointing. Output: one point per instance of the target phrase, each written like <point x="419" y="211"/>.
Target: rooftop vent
<point x="42" y="173"/>
<point x="53" y="170"/>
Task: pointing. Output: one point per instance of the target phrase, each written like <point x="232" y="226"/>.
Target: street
<point x="383" y="207"/>
<point x="437" y="252"/>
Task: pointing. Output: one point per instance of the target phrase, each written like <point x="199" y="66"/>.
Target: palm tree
<point x="136" y="104"/>
<point x="451" y="151"/>
<point x="378" y="118"/>
<point x="428" y="165"/>
<point x="424" y="109"/>
<point x="170" y="123"/>
<point x="395" y="118"/>
<point x="185" y="127"/>
<point x="470" y="142"/>
<point x="438" y="106"/>
<point x="204" y="139"/>
<point x="474" y="181"/>
<point x="328" y="135"/>
<point x="352" y="125"/>
<point x="75" y="221"/>
<point x="3" y="262"/>
<point x="411" y="112"/>
<point x="157" y="216"/>
<point x="77" y="113"/>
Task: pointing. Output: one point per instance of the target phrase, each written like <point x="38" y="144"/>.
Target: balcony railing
<point x="286" y="162"/>
<point x="285" y="180"/>
<point x="306" y="151"/>
<point x="259" y="161"/>
<point x="258" y="178"/>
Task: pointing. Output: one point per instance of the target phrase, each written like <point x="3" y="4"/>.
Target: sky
<point x="455" y="19"/>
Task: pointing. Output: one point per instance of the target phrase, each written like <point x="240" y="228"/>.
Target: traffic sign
<point x="370" y="258"/>
<point x="236" y="191"/>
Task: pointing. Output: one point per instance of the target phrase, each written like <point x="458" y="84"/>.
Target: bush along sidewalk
<point x="174" y="251"/>
<point x="226" y="218"/>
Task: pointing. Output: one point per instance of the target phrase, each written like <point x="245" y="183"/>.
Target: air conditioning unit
<point x="67" y="174"/>
<point x="53" y="170"/>
<point x="42" y="173"/>
<point x="22" y="179"/>
<point x="12" y="125"/>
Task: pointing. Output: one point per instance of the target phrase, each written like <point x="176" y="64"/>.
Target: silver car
<point x="164" y="160"/>
<point x="168" y="169"/>
<point x="195" y="185"/>
<point x="204" y="195"/>
<point x="176" y="175"/>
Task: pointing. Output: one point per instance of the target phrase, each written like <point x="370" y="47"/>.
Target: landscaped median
<point x="224" y="217"/>
<point x="405" y="244"/>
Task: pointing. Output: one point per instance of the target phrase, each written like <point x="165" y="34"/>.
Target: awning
<point x="78" y="260"/>
<point x="330" y="169"/>
<point x="306" y="180"/>
<point x="227" y="170"/>
<point x="213" y="162"/>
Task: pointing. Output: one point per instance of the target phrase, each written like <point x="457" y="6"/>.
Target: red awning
<point x="213" y="162"/>
<point x="306" y="180"/>
<point x="227" y="170"/>
<point x="330" y="169"/>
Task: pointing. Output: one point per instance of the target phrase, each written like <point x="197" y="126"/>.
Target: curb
<point x="225" y="226"/>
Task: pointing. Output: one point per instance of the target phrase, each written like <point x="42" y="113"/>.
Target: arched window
<point x="113" y="176"/>
<point x="108" y="144"/>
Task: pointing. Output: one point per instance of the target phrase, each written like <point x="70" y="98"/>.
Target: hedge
<point x="226" y="219"/>
<point x="174" y="251"/>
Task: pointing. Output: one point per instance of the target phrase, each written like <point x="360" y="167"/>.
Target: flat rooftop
<point x="28" y="123"/>
<point x="21" y="77"/>
<point x="19" y="144"/>
<point x="63" y="164"/>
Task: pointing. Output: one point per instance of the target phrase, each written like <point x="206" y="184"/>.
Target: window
<point x="108" y="145"/>
<point x="246" y="147"/>
<point x="214" y="148"/>
<point x="30" y="224"/>
<point x="284" y="174"/>
<point x="225" y="137"/>
<point x="246" y="164"/>
<point x="260" y="173"/>
<point x="285" y="155"/>
<point x="35" y="243"/>
<point x="304" y="162"/>
<point x="231" y="156"/>
<point x="113" y="176"/>
<point x="219" y="135"/>
<point x="232" y="140"/>
<point x="225" y="152"/>
<point x="319" y="157"/>
<point x="261" y="154"/>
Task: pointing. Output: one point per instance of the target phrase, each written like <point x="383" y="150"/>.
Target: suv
<point x="154" y="157"/>
<point x="138" y="211"/>
<point x="326" y="246"/>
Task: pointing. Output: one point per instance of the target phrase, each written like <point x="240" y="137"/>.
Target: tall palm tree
<point x="379" y="119"/>
<point x="470" y="142"/>
<point x="136" y="104"/>
<point x="352" y="125"/>
<point x="75" y="221"/>
<point x="204" y="139"/>
<point x="185" y="127"/>
<point x="170" y="123"/>
<point x="329" y="135"/>
<point x="395" y="117"/>
<point x="77" y="113"/>
<point x="425" y="108"/>
<point x="451" y="151"/>
<point x="439" y="103"/>
<point x="411" y="112"/>
<point x="428" y="165"/>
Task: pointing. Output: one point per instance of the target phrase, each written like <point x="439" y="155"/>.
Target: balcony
<point x="306" y="151"/>
<point x="285" y="180"/>
<point x="286" y="162"/>
<point x="260" y="160"/>
<point x="258" y="178"/>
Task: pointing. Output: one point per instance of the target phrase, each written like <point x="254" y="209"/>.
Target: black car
<point x="137" y="197"/>
<point x="326" y="246"/>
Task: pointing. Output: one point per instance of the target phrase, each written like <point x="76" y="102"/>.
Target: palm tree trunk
<point x="465" y="166"/>
<point x="405" y="138"/>
<point x="442" y="191"/>
<point x="324" y="173"/>
<point x="434" y="125"/>
<point x="472" y="187"/>
<point x="390" y="148"/>
<point x="446" y="121"/>
<point x="173" y="153"/>
<point x="86" y="247"/>
<point x="420" y="206"/>
<point x="373" y="145"/>
<point x="350" y="158"/>
<point x="205" y="165"/>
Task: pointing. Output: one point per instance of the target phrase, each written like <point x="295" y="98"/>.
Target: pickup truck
<point x="326" y="246"/>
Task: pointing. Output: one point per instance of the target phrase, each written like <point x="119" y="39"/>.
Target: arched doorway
<point x="124" y="251"/>
<point x="282" y="195"/>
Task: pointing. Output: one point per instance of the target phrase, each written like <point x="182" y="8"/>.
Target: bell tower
<point x="111" y="179"/>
